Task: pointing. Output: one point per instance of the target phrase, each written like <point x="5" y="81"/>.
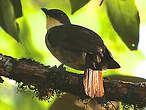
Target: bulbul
<point x="79" y="48"/>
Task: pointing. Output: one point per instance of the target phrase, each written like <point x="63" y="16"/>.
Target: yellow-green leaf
<point x="124" y="18"/>
<point x="8" y="18"/>
<point x="77" y="4"/>
<point x="17" y="7"/>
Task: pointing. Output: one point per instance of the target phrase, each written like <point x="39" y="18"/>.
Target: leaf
<point x="124" y="18"/>
<point x="8" y="18"/>
<point x="77" y="4"/>
<point x="17" y="7"/>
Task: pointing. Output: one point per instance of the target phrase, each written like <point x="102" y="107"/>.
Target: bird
<point x="80" y="48"/>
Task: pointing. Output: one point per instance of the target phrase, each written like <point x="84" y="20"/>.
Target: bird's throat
<point x="51" y="22"/>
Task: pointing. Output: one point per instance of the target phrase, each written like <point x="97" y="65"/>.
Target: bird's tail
<point x="93" y="83"/>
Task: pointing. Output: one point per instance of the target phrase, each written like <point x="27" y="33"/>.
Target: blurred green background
<point x="32" y="26"/>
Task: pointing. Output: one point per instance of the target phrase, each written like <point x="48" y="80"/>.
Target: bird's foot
<point x="107" y="78"/>
<point x="53" y="68"/>
<point x="60" y="67"/>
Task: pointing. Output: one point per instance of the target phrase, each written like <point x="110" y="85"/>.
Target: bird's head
<point x="55" y="17"/>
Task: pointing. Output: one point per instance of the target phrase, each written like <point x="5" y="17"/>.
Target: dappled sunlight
<point x="141" y="70"/>
<point x="87" y="16"/>
<point x="9" y="46"/>
<point x="142" y="39"/>
<point x="32" y="45"/>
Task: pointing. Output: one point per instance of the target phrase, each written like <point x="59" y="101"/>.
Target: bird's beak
<point x="45" y="10"/>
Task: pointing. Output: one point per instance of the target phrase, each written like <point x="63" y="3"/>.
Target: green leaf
<point x="8" y="18"/>
<point x="17" y="8"/>
<point x="124" y="18"/>
<point x="77" y="4"/>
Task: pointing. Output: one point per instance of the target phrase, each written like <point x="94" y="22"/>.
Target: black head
<point x="57" y="14"/>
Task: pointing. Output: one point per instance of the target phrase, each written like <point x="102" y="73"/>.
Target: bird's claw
<point x="60" y="67"/>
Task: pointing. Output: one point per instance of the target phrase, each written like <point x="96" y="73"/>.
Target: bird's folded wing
<point x="75" y="38"/>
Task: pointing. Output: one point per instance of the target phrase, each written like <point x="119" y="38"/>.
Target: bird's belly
<point x="72" y="59"/>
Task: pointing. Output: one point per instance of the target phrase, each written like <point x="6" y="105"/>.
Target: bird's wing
<point x="75" y="38"/>
<point x="79" y="39"/>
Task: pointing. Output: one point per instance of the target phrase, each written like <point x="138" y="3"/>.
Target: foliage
<point x="124" y="18"/>
<point x="10" y="11"/>
<point x="75" y="5"/>
<point x="117" y="22"/>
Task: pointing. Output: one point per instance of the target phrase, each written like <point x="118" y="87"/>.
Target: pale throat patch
<point x="51" y="22"/>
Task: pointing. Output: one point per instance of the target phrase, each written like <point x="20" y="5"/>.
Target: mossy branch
<point x="46" y="78"/>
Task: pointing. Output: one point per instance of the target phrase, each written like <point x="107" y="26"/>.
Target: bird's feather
<point x="75" y="38"/>
<point x="79" y="39"/>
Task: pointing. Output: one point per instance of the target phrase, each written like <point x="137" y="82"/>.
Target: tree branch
<point x="46" y="78"/>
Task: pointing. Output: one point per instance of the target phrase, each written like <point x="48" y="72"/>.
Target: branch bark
<point x="46" y="78"/>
